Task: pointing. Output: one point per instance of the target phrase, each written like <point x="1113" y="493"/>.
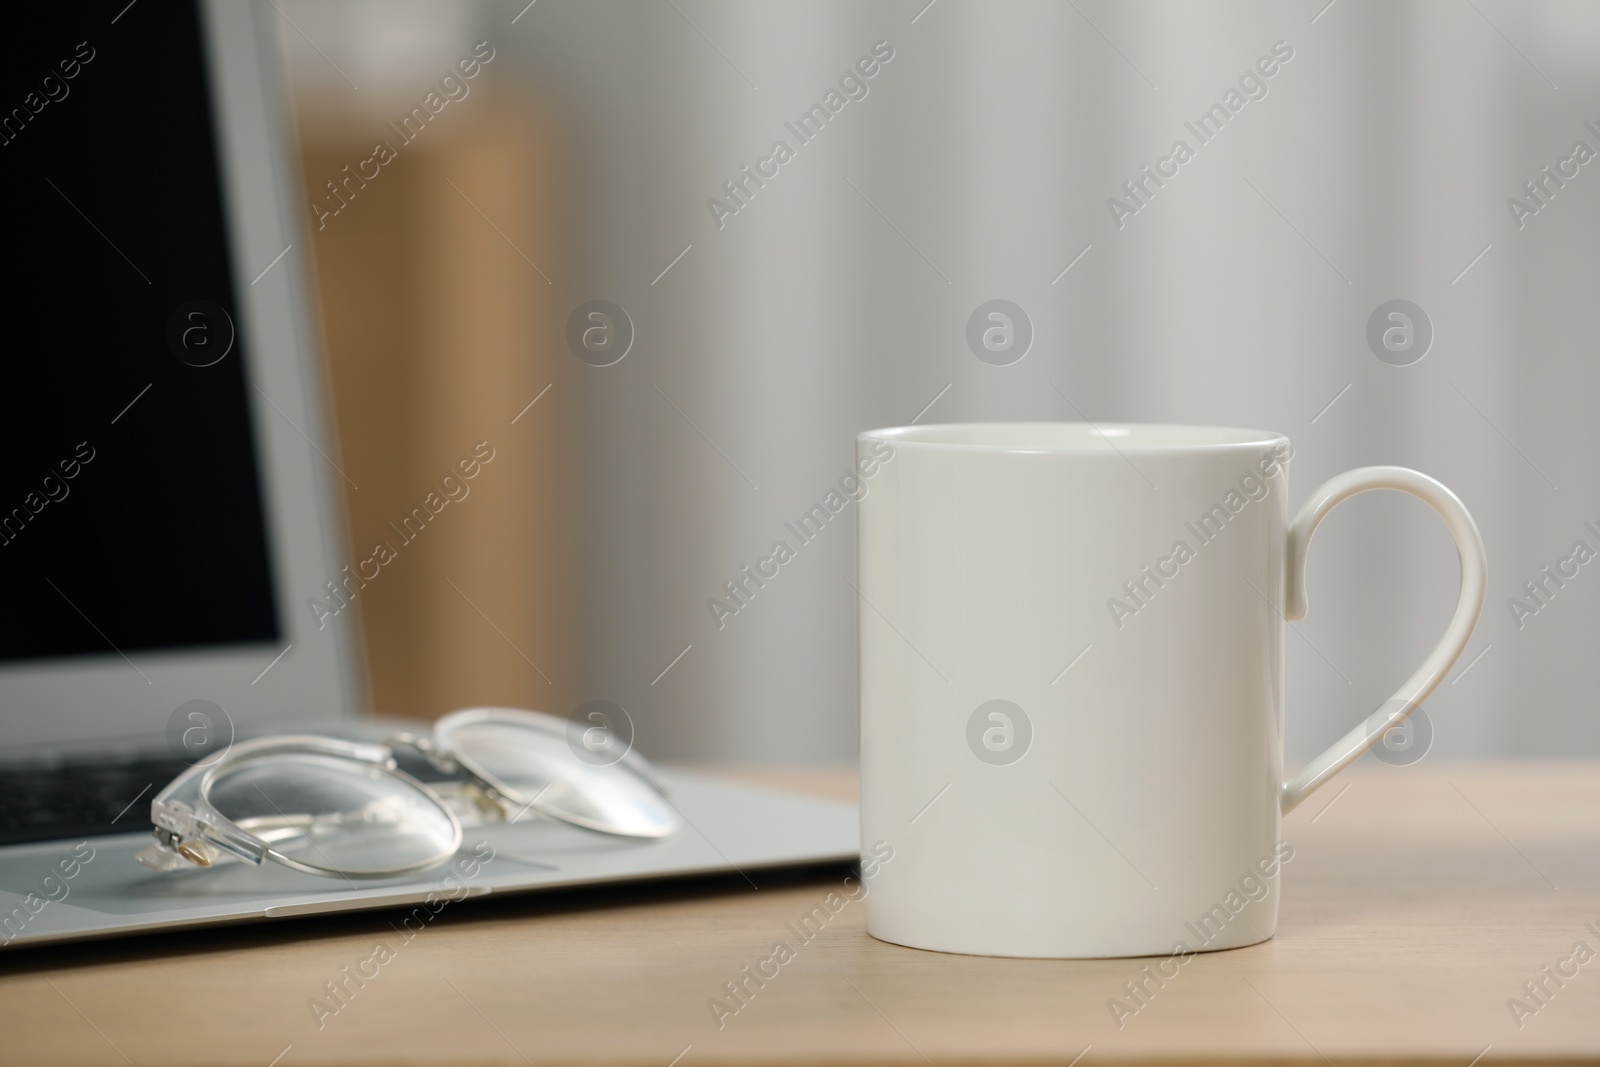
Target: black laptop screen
<point x="131" y="515"/>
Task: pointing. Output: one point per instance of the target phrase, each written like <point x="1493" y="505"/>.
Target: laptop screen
<point x="131" y="514"/>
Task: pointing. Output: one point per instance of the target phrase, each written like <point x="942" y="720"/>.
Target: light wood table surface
<point x="1419" y="900"/>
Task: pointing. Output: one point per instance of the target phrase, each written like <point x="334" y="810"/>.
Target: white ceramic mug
<point x="1071" y="681"/>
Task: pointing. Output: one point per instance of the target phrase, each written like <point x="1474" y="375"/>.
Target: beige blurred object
<point x="438" y="331"/>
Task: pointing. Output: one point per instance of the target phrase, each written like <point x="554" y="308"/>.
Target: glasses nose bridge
<point x="486" y="794"/>
<point x="440" y="756"/>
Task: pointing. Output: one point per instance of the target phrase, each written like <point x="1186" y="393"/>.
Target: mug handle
<point x="1474" y="581"/>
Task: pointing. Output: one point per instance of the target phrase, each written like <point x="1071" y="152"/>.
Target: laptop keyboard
<point x="91" y="799"/>
<point x="77" y="800"/>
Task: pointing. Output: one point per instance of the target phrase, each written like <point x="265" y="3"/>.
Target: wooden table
<point x="1418" y="902"/>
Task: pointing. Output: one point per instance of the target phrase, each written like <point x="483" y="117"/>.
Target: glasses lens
<point x="529" y="757"/>
<point x="338" y="815"/>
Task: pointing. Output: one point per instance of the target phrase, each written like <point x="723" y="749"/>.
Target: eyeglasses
<point x="345" y="808"/>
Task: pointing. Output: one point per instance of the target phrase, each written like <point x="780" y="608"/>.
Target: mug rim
<point x="1109" y="438"/>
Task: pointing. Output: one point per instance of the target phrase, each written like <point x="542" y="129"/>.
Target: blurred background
<point x="746" y="336"/>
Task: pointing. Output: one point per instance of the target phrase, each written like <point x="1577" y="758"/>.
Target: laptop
<point x="166" y="505"/>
